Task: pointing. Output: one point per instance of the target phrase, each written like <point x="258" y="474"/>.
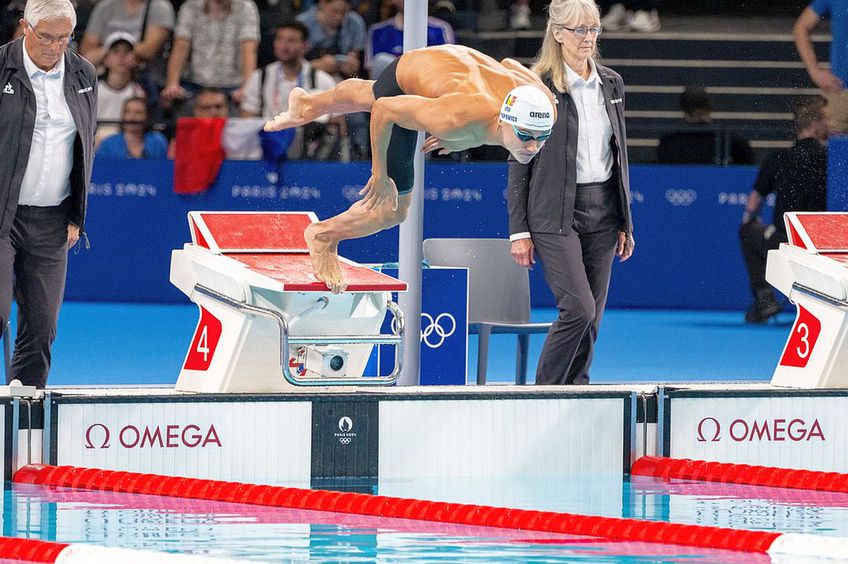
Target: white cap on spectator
<point x="118" y="36"/>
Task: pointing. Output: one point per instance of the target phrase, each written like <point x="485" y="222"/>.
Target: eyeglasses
<point x="48" y="40"/>
<point x="524" y="136"/>
<point x="583" y="30"/>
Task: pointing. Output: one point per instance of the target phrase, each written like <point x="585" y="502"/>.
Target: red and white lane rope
<point x="60" y="553"/>
<point x="727" y="473"/>
<point x="383" y="506"/>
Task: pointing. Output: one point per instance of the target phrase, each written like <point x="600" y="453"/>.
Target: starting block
<point x="812" y="271"/>
<point x="266" y="324"/>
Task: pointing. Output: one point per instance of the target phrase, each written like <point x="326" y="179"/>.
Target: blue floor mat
<point x="106" y="343"/>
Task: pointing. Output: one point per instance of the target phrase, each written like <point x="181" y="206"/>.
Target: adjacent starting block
<point x="812" y="270"/>
<point x="266" y="324"/>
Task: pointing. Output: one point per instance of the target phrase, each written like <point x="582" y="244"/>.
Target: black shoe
<point x="761" y="311"/>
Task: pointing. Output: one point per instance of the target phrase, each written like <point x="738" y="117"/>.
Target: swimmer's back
<point x="445" y="69"/>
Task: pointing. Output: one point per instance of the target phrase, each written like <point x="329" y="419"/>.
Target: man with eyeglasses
<point x="48" y="109"/>
<point x="462" y="97"/>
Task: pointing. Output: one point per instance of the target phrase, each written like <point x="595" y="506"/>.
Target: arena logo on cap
<point x="544" y="115"/>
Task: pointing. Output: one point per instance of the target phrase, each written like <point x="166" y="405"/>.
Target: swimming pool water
<point x="260" y="534"/>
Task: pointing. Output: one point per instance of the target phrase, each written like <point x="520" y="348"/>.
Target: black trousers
<point x="577" y="269"/>
<point x="33" y="266"/>
<point x="756" y="240"/>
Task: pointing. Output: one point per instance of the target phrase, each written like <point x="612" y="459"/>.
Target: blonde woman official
<point x="571" y="204"/>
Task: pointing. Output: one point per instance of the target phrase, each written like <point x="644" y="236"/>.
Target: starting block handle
<point x="801" y="289"/>
<point x="286" y="340"/>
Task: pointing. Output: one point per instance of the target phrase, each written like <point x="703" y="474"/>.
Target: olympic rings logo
<point x="345" y="440"/>
<point x="439" y="328"/>
<point x="681" y="197"/>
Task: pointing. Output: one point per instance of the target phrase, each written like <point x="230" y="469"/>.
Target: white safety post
<point x="412" y="230"/>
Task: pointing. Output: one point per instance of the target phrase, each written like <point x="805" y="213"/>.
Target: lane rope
<point x="383" y="506"/>
<point x="61" y="553"/>
<point x="747" y="474"/>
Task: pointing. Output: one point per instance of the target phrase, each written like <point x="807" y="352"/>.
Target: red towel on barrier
<point x="198" y="154"/>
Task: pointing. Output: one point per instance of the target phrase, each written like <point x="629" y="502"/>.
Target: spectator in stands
<point x="272" y="14"/>
<point x="834" y="80"/>
<point x="215" y="42"/>
<point x="10" y="16"/>
<point x="267" y="91"/>
<point x="337" y="40"/>
<point x="631" y="15"/>
<point x="150" y="24"/>
<point x="211" y="103"/>
<point x="571" y="204"/>
<point x="798" y="178"/>
<point x="385" y="39"/>
<point x="135" y="140"/>
<point x="701" y="142"/>
<point x="336" y="37"/>
<point x="117" y="83"/>
<point x="520" y="14"/>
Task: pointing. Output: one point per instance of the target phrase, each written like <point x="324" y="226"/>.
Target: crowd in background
<point x="241" y="58"/>
<point x="232" y="58"/>
<point x="174" y="56"/>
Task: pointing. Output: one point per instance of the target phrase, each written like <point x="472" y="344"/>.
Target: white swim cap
<point x="529" y="108"/>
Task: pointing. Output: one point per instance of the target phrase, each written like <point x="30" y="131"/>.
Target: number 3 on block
<point x="805" y="332"/>
<point x="205" y="340"/>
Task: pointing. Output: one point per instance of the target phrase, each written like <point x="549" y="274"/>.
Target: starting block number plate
<point x="205" y="341"/>
<point x="803" y="339"/>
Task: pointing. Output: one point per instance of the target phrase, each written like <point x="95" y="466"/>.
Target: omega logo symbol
<point x="709" y="427"/>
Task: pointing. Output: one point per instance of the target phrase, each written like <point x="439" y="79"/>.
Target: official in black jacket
<point x="48" y="100"/>
<point x="797" y="176"/>
<point x="571" y="203"/>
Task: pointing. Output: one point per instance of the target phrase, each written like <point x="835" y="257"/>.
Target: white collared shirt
<point x="47" y="180"/>
<point x="594" y="153"/>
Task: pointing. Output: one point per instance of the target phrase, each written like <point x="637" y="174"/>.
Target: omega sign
<point x="769" y="430"/>
<point x="99" y="436"/>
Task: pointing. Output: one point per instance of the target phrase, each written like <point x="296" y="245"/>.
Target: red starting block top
<point x="223" y="232"/>
<point x="272" y="244"/>
<point x="294" y="272"/>
<point x="838" y="257"/>
<point x="818" y="232"/>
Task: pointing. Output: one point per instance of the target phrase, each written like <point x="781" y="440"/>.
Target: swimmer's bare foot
<point x="294" y="116"/>
<point x="325" y="260"/>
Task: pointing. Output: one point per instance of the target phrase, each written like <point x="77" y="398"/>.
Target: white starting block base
<point x="266" y="324"/>
<point x="812" y="271"/>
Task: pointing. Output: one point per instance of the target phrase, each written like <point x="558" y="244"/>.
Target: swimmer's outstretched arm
<point x="445" y="116"/>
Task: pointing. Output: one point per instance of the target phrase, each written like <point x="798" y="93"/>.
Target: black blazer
<point x="17" y="123"/>
<point x="540" y="195"/>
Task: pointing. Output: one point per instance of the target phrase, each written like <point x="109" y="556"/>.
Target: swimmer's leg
<point x="323" y="237"/>
<point x="348" y="96"/>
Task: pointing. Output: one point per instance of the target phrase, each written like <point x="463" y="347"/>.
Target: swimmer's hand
<point x="432" y="144"/>
<point x="379" y="191"/>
